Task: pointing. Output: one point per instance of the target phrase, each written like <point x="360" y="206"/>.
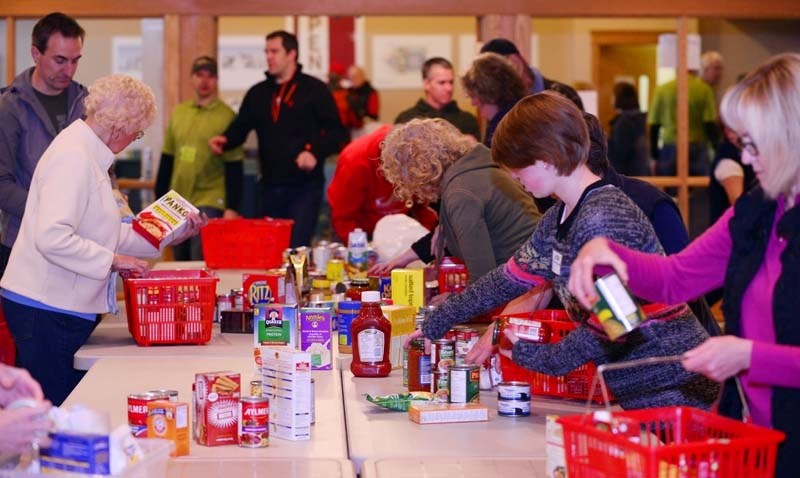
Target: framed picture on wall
<point x="242" y="61"/>
<point x="126" y="55"/>
<point x="397" y="59"/>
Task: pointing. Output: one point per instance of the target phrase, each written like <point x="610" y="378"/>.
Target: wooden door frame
<point x="610" y="38"/>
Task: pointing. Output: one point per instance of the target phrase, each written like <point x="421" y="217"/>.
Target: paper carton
<point x="164" y="220"/>
<point x="315" y="336"/>
<point x="402" y="320"/>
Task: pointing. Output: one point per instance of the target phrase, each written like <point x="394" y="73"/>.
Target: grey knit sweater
<point x="605" y="211"/>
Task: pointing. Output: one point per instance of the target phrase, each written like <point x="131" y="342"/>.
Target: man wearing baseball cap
<point x="212" y="182"/>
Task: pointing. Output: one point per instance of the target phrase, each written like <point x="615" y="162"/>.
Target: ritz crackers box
<point x="164" y="220"/>
<point x="262" y="289"/>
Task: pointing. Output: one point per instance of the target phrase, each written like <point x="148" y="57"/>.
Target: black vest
<point x="750" y="230"/>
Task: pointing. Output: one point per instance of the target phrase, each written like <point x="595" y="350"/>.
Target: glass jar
<point x="357" y="286"/>
<point x="419" y="367"/>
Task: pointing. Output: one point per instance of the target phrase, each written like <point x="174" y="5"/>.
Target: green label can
<point x="616" y="309"/>
<point x="465" y="383"/>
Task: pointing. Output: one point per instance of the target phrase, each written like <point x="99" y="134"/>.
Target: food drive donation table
<point x="453" y="467"/>
<point x="108" y="383"/>
<point x="374" y="433"/>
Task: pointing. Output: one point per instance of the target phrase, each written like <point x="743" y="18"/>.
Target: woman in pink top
<point x="753" y="250"/>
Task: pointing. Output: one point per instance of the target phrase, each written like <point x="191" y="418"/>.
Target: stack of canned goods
<point x="514" y="399"/>
<point x="443" y="354"/>
<point x="466" y="338"/>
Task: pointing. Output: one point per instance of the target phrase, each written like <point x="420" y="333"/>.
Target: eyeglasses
<point x="745" y="144"/>
<point x="139" y="134"/>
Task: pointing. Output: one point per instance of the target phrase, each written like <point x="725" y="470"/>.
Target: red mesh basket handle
<point x="598" y="378"/>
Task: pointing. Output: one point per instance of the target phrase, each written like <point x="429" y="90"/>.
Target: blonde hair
<point x="121" y="102"/>
<point x="766" y="106"/>
<point x="415" y="155"/>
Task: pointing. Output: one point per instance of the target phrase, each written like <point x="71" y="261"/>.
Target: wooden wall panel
<point x="11" y="50"/>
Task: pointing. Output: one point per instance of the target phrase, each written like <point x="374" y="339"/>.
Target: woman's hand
<point x="398" y="261"/>
<point x="512" y="337"/>
<point x="129" y="264"/>
<point x="719" y="358"/>
<point x="581" y="275"/>
<point x="417" y="334"/>
<point x="482" y="349"/>
<point x="16" y="383"/>
<point x="194" y="222"/>
<point x="21" y="427"/>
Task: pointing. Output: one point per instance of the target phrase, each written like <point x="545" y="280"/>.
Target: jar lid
<point x="370" y="296"/>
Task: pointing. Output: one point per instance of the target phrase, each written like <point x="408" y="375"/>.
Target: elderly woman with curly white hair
<point x="72" y="239"/>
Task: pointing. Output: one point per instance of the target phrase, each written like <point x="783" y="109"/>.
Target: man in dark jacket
<point x="438" y="83"/>
<point x="40" y="102"/>
<point x="298" y="126"/>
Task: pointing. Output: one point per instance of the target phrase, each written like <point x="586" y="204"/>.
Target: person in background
<point x="361" y="97"/>
<point x="438" y="85"/>
<point x="730" y="177"/>
<point x="72" y="242"/>
<point x="19" y="427"/>
<point x="711" y="68"/>
<point x="39" y="103"/>
<point x="751" y="250"/>
<point x="494" y="87"/>
<point x="543" y="141"/>
<point x="484" y="214"/>
<point x="627" y="143"/>
<point x="212" y="182"/>
<point x="297" y="125"/>
<point x="359" y="194"/>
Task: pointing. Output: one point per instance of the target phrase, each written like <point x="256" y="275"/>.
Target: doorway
<point x="623" y="56"/>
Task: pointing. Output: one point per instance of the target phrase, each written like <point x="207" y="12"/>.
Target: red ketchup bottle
<point x="370" y="333"/>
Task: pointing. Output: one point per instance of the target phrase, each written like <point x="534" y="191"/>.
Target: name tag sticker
<point x="557" y="262"/>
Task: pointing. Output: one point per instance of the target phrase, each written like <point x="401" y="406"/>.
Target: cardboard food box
<point x="275" y="324"/>
<point x="429" y="412"/>
<point x="408" y="287"/>
<point x="263" y="289"/>
<point x="170" y="421"/>
<point x="164" y="220"/>
<point x="78" y="453"/>
<point x="286" y="381"/>
<point x="217" y="398"/>
<point x="315" y="336"/>
<point x="402" y="320"/>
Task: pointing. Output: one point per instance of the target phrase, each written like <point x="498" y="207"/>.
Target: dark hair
<point x="567" y="92"/>
<point x="501" y="46"/>
<point x="625" y="97"/>
<point x="435" y="61"/>
<point x="55" y="22"/>
<point x="598" y="145"/>
<point x="542" y="127"/>
<point x="493" y="80"/>
<point x="288" y="40"/>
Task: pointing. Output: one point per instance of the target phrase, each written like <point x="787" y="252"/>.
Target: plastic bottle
<point x="357" y="254"/>
<point x="371" y="333"/>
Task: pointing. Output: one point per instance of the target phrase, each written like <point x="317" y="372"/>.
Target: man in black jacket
<point x="297" y="125"/>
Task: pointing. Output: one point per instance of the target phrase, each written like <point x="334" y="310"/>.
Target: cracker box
<point x="402" y="320"/>
<point x="164" y="220"/>
<point x="286" y="381"/>
<point x="315" y="336"/>
<point x="170" y="421"/>
<point x="77" y="453"/>
<point x="429" y="412"/>
<point x="217" y="398"/>
<point x="275" y="324"/>
<point x="408" y="287"/>
<point x="263" y="289"/>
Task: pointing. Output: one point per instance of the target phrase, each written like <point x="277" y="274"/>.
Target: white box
<point x="286" y="381"/>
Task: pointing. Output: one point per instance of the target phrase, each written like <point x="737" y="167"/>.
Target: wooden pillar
<point x="11" y="50"/>
<point x="185" y="38"/>
<point x="682" y="140"/>
<point x="516" y="28"/>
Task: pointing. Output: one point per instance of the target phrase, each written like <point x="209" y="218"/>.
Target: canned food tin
<point x="237" y="296"/>
<point x="443" y="355"/>
<point x="137" y="411"/>
<point x="514" y="408"/>
<point x="253" y="422"/>
<point x="312" y="397"/>
<point x="255" y="388"/>
<point x="514" y="391"/>
<point x="465" y="383"/>
<point x="440" y="385"/>
<point x="172" y="395"/>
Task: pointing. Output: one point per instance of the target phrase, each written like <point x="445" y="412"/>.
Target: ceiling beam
<point x="730" y="9"/>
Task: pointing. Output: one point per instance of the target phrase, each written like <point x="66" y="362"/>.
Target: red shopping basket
<point x="245" y="243"/>
<point x="171" y="307"/>
<point x="574" y="385"/>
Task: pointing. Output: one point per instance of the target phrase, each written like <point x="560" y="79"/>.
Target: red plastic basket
<point x="171" y="307"/>
<point x="674" y="442"/>
<point x="245" y="243"/>
<point x="574" y="385"/>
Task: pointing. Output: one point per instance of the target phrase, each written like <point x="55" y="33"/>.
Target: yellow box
<point x="169" y="420"/>
<point x="402" y="320"/>
<point x="426" y="413"/>
<point x="408" y="287"/>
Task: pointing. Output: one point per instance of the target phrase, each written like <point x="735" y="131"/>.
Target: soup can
<point x="465" y="383"/>
<point x="137" y="411"/>
<point x="514" y="391"/>
<point x="172" y="395"/>
<point x="253" y="422"/>
<point x="514" y="408"/>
